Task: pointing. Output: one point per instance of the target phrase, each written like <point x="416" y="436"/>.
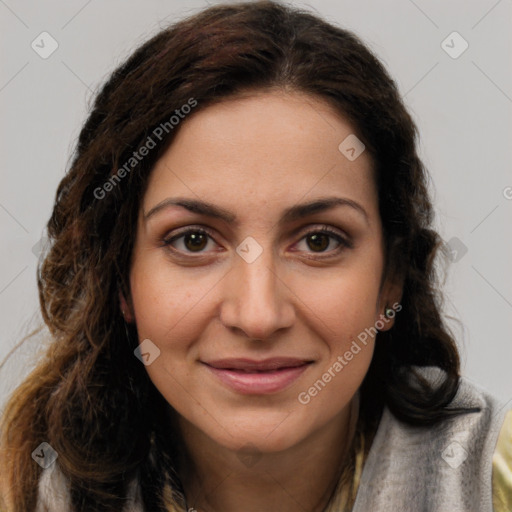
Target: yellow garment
<point x="502" y="468"/>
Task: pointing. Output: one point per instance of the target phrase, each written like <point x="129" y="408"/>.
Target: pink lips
<point x="251" y="377"/>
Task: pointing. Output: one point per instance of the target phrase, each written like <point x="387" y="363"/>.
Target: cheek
<point x="347" y="327"/>
<point x="344" y="304"/>
<point x="345" y="301"/>
<point x="336" y="384"/>
<point x="166" y="312"/>
<point x="161" y="299"/>
<point x="172" y="311"/>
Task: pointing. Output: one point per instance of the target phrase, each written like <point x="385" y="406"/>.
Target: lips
<point x="250" y="377"/>
<point x="252" y="366"/>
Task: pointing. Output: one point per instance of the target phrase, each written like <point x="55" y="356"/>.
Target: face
<point x="257" y="288"/>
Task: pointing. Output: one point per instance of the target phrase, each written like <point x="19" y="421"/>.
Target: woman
<point x="209" y="352"/>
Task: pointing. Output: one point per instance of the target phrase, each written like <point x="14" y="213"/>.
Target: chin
<point x="271" y="434"/>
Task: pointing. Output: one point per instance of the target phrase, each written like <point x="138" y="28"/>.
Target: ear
<point x="126" y="308"/>
<point x="389" y="299"/>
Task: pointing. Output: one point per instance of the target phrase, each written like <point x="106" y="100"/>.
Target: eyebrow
<point x="291" y="214"/>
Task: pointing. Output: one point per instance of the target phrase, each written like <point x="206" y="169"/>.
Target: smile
<point x="254" y="379"/>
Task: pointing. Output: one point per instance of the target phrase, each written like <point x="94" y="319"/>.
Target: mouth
<point x="253" y="366"/>
<point x="258" y="377"/>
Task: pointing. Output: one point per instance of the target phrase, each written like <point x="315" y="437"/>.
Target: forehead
<point x="262" y="148"/>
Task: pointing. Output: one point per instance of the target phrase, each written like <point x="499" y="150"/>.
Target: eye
<point x="318" y="240"/>
<point x="194" y="240"/>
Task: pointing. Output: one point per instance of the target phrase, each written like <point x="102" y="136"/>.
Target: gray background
<point x="462" y="107"/>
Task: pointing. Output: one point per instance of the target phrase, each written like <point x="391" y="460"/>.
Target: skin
<point x="257" y="155"/>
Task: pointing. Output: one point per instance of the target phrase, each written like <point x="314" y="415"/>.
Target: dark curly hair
<point x="90" y="398"/>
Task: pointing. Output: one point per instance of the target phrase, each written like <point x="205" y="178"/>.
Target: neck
<point x="302" y="477"/>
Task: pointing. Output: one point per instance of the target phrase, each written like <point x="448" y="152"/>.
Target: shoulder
<point x="448" y="464"/>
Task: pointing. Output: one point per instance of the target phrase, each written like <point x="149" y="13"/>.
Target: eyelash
<point x="344" y="243"/>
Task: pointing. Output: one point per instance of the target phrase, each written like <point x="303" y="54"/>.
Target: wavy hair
<point x="89" y="397"/>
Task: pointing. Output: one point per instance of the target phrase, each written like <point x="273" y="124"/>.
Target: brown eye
<point x="193" y="240"/>
<point x="318" y="241"/>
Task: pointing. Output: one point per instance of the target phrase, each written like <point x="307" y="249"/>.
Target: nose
<point x="256" y="300"/>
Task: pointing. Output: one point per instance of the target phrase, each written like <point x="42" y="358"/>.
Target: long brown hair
<point x="90" y="398"/>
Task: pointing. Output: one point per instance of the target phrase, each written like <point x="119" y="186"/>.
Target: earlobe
<point x="386" y="320"/>
<point x="126" y="308"/>
<point x="391" y="304"/>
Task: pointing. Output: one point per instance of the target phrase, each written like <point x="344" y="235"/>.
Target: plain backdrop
<point x="460" y="100"/>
